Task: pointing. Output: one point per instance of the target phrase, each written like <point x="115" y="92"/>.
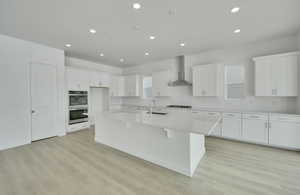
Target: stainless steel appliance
<point x="78" y="107"/>
<point x="78" y="98"/>
<point x="78" y="115"/>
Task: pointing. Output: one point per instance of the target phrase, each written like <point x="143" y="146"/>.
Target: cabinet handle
<point x="266" y="125"/>
<point x="229" y="115"/>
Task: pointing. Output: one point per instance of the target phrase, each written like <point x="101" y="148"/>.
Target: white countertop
<point x="185" y="122"/>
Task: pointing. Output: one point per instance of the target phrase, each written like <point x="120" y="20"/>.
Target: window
<point x="147" y="86"/>
<point x="234" y="82"/>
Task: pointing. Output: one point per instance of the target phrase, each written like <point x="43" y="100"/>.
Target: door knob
<point x="32" y="111"/>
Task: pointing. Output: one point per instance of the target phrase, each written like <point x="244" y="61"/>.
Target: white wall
<point x="15" y="118"/>
<point x="236" y="55"/>
<point x="298" y="37"/>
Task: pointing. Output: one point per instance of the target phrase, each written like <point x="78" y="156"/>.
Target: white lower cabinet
<point x="284" y="131"/>
<point x="217" y="131"/>
<point x="255" y="128"/>
<point x="278" y="130"/>
<point x="232" y="125"/>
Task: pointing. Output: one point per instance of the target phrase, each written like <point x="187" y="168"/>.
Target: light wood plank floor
<point x="75" y="164"/>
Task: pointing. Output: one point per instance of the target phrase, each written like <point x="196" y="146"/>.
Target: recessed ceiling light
<point x="122" y="60"/>
<point x="235" y="10"/>
<point x="172" y="12"/>
<point x="93" y="31"/>
<point x="182" y="44"/>
<point x="136" y="6"/>
<point x="68" y="45"/>
<point x="152" y="37"/>
<point x="146" y="54"/>
<point x="101" y="54"/>
<point x="237" y="31"/>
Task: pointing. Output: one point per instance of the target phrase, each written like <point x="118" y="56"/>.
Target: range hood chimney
<point x="181" y="81"/>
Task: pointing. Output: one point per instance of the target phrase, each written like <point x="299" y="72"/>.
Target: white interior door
<point x="44" y="101"/>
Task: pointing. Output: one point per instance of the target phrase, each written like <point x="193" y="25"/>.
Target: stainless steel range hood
<point x="181" y="80"/>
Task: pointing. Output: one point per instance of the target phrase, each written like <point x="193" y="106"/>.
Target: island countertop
<point x="185" y="122"/>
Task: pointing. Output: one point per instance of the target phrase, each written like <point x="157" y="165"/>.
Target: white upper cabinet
<point x="277" y="75"/>
<point x="78" y="79"/>
<point x="160" y="82"/>
<point x="99" y="79"/>
<point x="131" y="85"/>
<point x="116" y="88"/>
<point x="206" y="80"/>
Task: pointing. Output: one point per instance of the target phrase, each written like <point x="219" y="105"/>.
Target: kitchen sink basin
<point x="159" y="113"/>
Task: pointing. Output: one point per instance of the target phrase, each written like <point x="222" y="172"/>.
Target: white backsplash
<point x="268" y="104"/>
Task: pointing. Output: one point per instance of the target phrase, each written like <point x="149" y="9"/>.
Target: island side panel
<point x="197" y="151"/>
<point x="148" y="143"/>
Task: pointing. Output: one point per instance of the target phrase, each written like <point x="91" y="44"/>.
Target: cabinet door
<point x="77" y="79"/>
<point x="263" y="78"/>
<point x="217" y="131"/>
<point x="211" y="88"/>
<point x="255" y="131"/>
<point x="232" y="128"/>
<point x="286" y="76"/>
<point x="197" y="88"/>
<point x="94" y="79"/>
<point x="160" y="82"/>
<point x="285" y="134"/>
<point x="276" y="76"/>
<point x="205" y="80"/>
<point x="131" y="85"/>
<point x="116" y="86"/>
<point x="104" y="79"/>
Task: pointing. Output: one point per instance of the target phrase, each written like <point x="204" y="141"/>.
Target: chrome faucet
<point x="152" y="104"/>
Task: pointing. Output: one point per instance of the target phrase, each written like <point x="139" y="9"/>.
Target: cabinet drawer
<point x="255" y="116"/>
<point x="205" y="113"/>
<point x="285" y="118"/>
<point x="232" y="115"/>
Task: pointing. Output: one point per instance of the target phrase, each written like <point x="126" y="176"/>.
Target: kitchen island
<point x="175" y="141"/>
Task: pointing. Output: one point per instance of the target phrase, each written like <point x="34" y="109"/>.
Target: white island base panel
<point x="177" y="151"/>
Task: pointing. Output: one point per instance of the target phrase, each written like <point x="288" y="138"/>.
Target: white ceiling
<point x="123" y="32"/>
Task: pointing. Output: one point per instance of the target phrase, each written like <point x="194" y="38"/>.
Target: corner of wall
<point x="298" y="41"/>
